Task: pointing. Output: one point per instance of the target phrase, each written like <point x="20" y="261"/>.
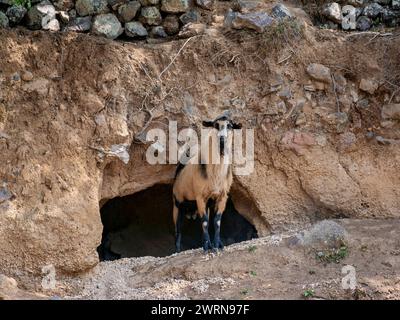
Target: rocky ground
<point x="325" y="106"/>
<point x="294" y="265"/>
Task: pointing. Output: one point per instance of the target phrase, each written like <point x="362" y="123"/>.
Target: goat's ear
<point x="208" y="124"/>
<point x="236" y="125"/>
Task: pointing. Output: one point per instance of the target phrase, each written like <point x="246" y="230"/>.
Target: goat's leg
<point x="220" y="205"/>
<point x="177" y="215"/>
<point x="201" y="207"/>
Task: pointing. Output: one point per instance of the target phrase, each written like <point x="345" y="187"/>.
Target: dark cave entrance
<point x="141" y="225"/>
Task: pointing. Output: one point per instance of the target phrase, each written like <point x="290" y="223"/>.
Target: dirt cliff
<point x="325" y="147"/>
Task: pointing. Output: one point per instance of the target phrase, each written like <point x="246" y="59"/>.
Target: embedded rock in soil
<point x="128" y="11"/>
<point x="107" y="25"/>
<point x="257" y="21"/>
<point x="332" y="12"/>
<point x="175" y="6"/>
<point x="16" y="13"/>
<point x="91" y="7"/>
<point x="135" y="29"/>
<point x="150" y="16"/>
<point x="319" y="72"/>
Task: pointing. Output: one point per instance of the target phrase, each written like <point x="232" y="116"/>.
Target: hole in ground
<point x="141" y="225"/>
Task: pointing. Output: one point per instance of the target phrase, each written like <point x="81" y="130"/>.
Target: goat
<point x="205" y="182"/>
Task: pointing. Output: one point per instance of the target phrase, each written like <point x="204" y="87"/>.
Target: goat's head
<point x="224" y="126"/>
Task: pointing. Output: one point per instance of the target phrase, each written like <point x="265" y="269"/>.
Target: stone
<point x="319" y="72"/>
<point x="390" y="18"/>
<point x="205" y="4"/>
<point x="192" y="29"/>
<point x="63" y="16"/>
<point x="246" y="6"/>
<point x="368" y="85"/>
<point x="190" y="16"/>
<point x="91" y="7"/>
<point x="158" y="32"/>
<point x="27" y="76"/>
<point x="332" y="12"/>
<point x="107" y="25"/>
<point x="372" y="10"/>
<point x="5" y="194"/>
<point x="114" y="4"/>
<point x="150" y="16"/>
<point x="16" y="77"/>
<point x="80" y="24"/>
<point x="72" y="14"/>
<point x="147" y="3"/>
<point x="257" y="21"/>
<point x="135" y="29"/>
<point x="171" y="24"/>
<point x="127" y="12"/>
<point x="349" y="14"/>
<point x="175" y="6"/>
<point x="325" y="233"/>
<point x="16" y="13"/>
<point x="51" y="25"/>
<point x="364" y="23"/>
<point x="40" y="14"/>
<point x="64" y="5"/>
<point x="4" y="22"/>
<point x="280" y="11"/>
<point x="230" y="15"/>
<point x="40" y="86"/>
<point x="338" y="119"/>
<point x="391" y="111"/>
<point x="298" y="142"/>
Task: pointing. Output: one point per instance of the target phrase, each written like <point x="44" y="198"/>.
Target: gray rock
<point x="114" y="4"/>
<point x="391" y="111"/>
<point x="332" y="12"/>
<point x="128" y="11"/>
<point x="349" y="21"/>
<point x="135" y="29"/>
<point x="396" y="4"/>
<point x="390" y="18"/>
<point x="80" y="24"/>
<point x="150" y="16"/>
<point x="158" y="32"/>
<point x="40" y="14"/>
<point x="372" y="10"/>
<point x="91" y="7"/>
<point x="171" y="24"/>
<point x="257" y="21"/>
<point x="50" y="24"/>
<point x="5" y="194"/>
<point x="16" y="13"/>
<point x="280" y="11"/>
<point x="72" y="14"/>
<point x="190" y="16"/>
<point x="205" y="4"/>
<point x="175" y="6"/>
<point x="364" y="23"/>
<point x="64" y="5"/>
<point x="246" y="6"/>
<point x="147" y="3"/>
<point x="107" y="25"/>
<point x="325" y="233"/>
<point x="229" y="17"/>
<point x="319" y="72"/>
<point x="3" y="20"/>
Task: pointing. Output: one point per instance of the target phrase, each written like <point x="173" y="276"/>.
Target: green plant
<point x="308" y="293"/>
<point x="253" y="273"/>
<point x="333" y="255"/>
<point x="252" y="248"/>
<point x="24" y="3"/>
<point x="244" y="292"/>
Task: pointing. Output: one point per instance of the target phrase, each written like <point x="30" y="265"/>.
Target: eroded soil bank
<point x="325" y="147"/>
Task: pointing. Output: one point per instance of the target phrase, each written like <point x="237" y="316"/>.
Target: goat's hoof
<point x="218" y="245"/>
<point x="207" y="246"/>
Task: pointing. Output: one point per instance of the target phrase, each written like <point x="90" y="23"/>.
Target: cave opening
<point x="141" y="225"/>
